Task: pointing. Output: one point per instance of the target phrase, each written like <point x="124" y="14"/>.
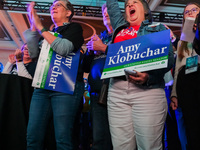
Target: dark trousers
<point x="188" y="92"/>
<point x="100" y="125"/>
<point x="171" y="139"/>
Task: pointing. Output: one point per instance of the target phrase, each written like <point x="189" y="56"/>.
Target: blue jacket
<point x="118" y="23"/>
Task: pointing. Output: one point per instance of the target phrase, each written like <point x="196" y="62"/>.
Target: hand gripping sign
<point x="143" y="53"/>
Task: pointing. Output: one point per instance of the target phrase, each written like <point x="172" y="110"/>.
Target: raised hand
<point x="36" y="23"/>
<point x="18" y="55"/>
<point x="11" y="58"/>
<point x="96" y="44"/>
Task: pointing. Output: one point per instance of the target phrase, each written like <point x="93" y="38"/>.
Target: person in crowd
<point x="174" y="135"/>
<point x="196" y="42"/>
<point x="93" y="64"/>
<point x="185" y="91"/>
<point x="137" y="107"/>
<point x="46" y="104"/>
<point x="20" y="63"/>
<point x="174" y="122"/>
<point x="11" y="67"/>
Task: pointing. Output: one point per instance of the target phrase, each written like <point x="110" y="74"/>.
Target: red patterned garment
<point x="126" y="34"/>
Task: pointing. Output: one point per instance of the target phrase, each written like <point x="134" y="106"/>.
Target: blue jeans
<point x="181" y="128"/>
<point x="100" y="125"/>
<point x="62" y="107"/>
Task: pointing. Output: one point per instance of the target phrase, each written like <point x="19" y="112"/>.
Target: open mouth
<point x="132" y="12"/>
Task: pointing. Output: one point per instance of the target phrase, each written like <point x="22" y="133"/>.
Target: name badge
<point x="191" y="64"/>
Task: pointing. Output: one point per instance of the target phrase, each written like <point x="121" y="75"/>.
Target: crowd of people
<point x="127" y="112"/>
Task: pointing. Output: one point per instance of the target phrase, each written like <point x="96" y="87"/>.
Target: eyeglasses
<point x="193" y="10"/>
<point x="57" y="5"/>
<point x="24" y="48"/>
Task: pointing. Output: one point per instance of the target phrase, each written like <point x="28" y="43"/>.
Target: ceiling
<point x="14" y="20"/>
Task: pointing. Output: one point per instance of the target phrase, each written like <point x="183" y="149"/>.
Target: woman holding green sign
<point x="137" y="106"/>
<point x="47" y="104"/>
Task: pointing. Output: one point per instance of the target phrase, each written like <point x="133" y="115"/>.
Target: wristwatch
<point x="43" y="30"/>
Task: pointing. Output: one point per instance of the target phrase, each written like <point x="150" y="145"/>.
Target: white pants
<point x="136" y="116"/>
